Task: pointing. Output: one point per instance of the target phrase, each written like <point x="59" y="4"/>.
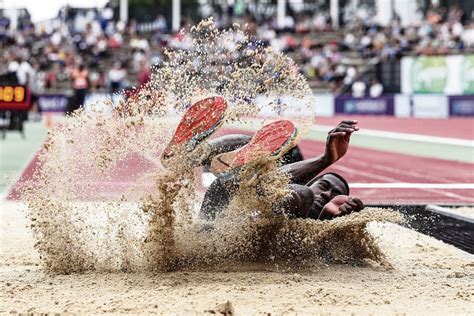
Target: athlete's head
<point x="326" y="187"/>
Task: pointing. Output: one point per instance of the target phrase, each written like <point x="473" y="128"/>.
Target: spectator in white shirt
<point x="116" y="77"/>
<point x="24" y="73"/>
<point x="13" y="65"/>
<point x="376" y="89"/>
<point x="358" y="88"/>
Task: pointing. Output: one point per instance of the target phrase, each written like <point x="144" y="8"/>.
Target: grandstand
<point x="332" y="56"/>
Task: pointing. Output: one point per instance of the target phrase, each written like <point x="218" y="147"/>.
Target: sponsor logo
<point x="365" y="106"/>
<point x="429" y="74"/>
<point x="52" y="103"/>
<point x="462" y="107"/>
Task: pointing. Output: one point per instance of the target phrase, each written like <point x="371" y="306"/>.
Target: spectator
<point x="468" y="35"/>
<point x="51" y="76"/>
<point x="144" y="75"/>
<point x="161" y="24"/>
<point x="24" y="73"/>
<point x="96" y="79"/>
<point x="96" y="37"/>
<point x="358" y="88"/>
<point x="376" y="88"/>
<point x="13" y="66"/>
<point x="116" y="77"/>
<point x="80" y="85"/>
<point x="36" y="85"/>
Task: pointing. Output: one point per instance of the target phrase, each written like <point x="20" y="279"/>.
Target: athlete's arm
<point x="337" y="143"/>
<point x="338" y="140"/>
<point x="341" y="205"/>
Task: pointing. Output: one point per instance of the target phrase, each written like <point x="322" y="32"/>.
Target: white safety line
<point x="385" y="168"/>
<point x="404" y="136"/>
<point x="365" y="173"/>
<point x="207" y="179"/>
<point x="393" y="180"/>
<point x="404" y="185"/>
<point x="16" y="179"/>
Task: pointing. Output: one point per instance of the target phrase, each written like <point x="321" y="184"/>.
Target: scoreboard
<point x="14" y="98"/>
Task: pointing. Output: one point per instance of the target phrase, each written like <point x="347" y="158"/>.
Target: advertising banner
<point x="461" y="105"/>
<point x="324" y="105"/>
<point x="53" y="102"/>
<point x="452" y="75"/>
<point x="467" y="74"/>
<point x="430" y="106"/>
<point x="371" y="106"/>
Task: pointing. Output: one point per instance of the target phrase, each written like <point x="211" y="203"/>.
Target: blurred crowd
<point x="90" y="50"/>
<point x="77" y="50"/>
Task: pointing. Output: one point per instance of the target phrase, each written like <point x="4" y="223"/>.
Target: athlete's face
<point x="325" y="188"/>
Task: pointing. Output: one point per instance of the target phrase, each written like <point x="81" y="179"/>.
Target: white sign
<point x="451" y="75"/>
<point x="430" y="106"/>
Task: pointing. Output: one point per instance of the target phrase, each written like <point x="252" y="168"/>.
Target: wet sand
<point x="428" y="277"/>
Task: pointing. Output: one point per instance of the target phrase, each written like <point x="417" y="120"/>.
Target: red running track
<point x="360" y="166"/>
<point x="454" y="127"/>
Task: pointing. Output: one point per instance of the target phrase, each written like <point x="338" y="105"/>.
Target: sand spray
<point x="101" y="200"/>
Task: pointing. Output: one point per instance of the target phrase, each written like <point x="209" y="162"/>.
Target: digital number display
<point x="14" y="98"/>
<point x="12" y="94"/>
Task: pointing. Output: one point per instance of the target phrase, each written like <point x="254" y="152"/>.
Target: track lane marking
<point x="408" y="185"/>
<point x="393" y="180"/>
<point x="364" y="173"/>
<point x="404" y="136"/>
<point x="383" y="167"/>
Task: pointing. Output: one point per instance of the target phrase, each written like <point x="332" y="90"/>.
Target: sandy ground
<point x="464" y="211"/>
<point x="429" y="277"/>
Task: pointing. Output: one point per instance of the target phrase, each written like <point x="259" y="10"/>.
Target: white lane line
<point x="393" y="180"/>
<point x="364" y="173"/>
<point x="404" y="185"/>
<point x="17" y="179"/>
<point x="207" y="179"/>
<point x="393" y="170"/>
<point x="404" y="136"/>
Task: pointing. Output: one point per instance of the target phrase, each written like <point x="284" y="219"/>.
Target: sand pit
<point x="428" y="277"/>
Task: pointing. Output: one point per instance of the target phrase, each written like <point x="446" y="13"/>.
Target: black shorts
<point x="220" y="192"/>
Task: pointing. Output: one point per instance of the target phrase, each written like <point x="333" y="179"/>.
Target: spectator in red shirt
<point x="144" y="75"/>
<point x="80" y="85"/>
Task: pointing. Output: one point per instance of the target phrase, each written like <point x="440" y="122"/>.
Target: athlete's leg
<point x="270" y="142"/>
<point x="232" y="142"/>
<point x="273" y="141"/>
<point x="199" y="121"/>
<point x="217" y="197"/>
<point x="224" y="144"/>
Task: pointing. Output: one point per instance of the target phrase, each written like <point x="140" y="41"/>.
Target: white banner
<point x="451" y="75"/>
<point x="430" y="106"/>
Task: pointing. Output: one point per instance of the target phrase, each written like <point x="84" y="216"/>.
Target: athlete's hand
<point x="341" y="205"/>
<point x="338" y="139"/>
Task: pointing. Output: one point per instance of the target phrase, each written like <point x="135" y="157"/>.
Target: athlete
<point x="312" y="195"/>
